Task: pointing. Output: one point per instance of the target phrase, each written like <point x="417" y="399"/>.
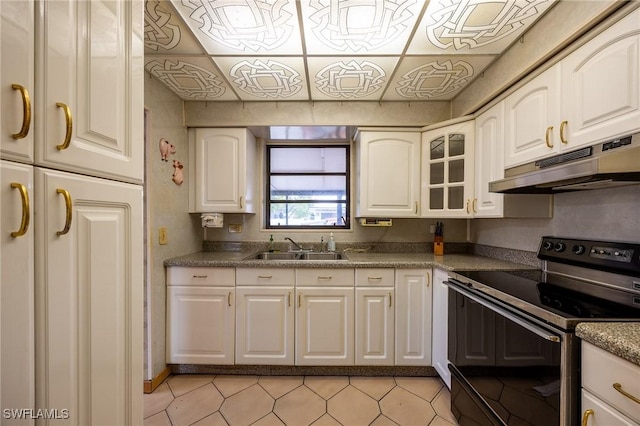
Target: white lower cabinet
<point x="265" y="316"/>
<point x="375" y="316"/>
<point x="200" y="316"/>
<point x="439" y="358"/>
<point x="413" y="317"/>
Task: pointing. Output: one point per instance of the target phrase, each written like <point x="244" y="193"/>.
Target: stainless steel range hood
<point x="608" y="164"/>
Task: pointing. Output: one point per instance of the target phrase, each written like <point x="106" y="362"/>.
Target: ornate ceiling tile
<point x="264" y="78"/>
<point x="358" y="26"/>
<point x="349" y="79"/>
<point x="192" y="78"/>
<point x="243" y="26"/>
<point x="164" y="32"/>
<point x="474" y="26"/>
<point x="434" y="78"/>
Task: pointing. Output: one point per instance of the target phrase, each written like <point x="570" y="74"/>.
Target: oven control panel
<point x="610" y="255"/>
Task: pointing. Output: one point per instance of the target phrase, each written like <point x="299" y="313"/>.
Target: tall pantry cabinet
<point x="83" y="111"/>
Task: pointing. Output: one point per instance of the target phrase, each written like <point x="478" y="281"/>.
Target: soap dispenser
<point x="331" y="245"/>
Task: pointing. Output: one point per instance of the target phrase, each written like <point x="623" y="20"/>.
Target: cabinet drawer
<point x="601" y="370"/>
<point x="601" y="414"/>
<point x="265" y="276"/>
<point x="375" y="277"/>
<point x="178" y="275"/>
<point x="324" y="277"/>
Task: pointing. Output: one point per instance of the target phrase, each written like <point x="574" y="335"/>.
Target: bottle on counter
<point x="331" y="245"/>
<point x="272" y="246"/>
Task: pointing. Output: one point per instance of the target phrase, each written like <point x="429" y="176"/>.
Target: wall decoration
<point x="166" y="148"/>
<point x="178" y="176"/>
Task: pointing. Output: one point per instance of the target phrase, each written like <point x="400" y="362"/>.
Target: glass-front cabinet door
<point x="447" y="171"/>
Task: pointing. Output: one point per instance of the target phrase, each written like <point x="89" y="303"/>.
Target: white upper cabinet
<point x="590" y="96"/>
<point x="90" y="57"/>
<point x="601" y="85"/>
<point x="388" y="173"/>
<point x="17" y="69"/>
<point x="489" y="161"/>
<point x="223" y="171"/>
<point x="447" y="171"/>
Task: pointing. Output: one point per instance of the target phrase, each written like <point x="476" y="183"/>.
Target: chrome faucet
<point x="298" y="246"/>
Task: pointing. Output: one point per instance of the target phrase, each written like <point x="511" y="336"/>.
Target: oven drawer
<point x="601" y="371"/>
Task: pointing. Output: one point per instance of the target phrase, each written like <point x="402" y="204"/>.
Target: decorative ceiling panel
<point x="347" y="50"/>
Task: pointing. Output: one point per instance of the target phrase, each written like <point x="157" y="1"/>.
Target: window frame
<point x="347" y="174"/>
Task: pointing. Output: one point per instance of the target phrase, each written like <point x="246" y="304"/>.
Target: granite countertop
<point x="619" y="338"/>
<point x="451" y="262"/>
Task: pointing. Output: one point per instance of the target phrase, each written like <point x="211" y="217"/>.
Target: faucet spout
<point x="298" y="246"/>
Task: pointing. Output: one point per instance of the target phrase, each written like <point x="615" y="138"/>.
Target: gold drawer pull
<point x="374" y="278"/>
<point x="69" y="121"/>
<point x="585" y="417"/>
<point x="546" y="137"/>
<point x="26" y="112"/>
<point x="265" y="277"/>
<point x="618" y="387"/>
<point x="69" y="208"/>
<point x="324" y="277"/>
<point x="24" y="223"/>
<point x="563" y="125"/>
<point x="200" y="276"/>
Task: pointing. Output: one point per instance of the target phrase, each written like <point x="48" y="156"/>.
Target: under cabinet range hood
<point x="608" y="164"/>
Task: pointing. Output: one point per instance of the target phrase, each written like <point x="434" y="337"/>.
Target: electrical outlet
<point x="432" y="229"/>
<point x="162" y="235"/>
<point x="235" y="228"/>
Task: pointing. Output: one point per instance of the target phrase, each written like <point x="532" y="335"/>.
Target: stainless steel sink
<point x="305" y="255"/>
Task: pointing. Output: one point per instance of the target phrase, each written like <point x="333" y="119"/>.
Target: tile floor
<point x="205" y="400"/>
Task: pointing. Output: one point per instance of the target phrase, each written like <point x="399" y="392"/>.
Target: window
<point x="307" y="186"/>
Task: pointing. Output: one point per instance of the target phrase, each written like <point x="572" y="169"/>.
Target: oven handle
<point x="505" y="313"/>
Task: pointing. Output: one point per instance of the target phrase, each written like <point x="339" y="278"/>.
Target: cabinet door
<point x="439" y="358"/>
<point x="89" y="275"/>
<point x="532" y="119"/>
<point x="17" y="80"/>
<point x="389" y="174"/>
<point x="200" y="325"/>
<point x="264" y="325"/>
<point x="324" y="326"/>
<point x="601" y="85"/>
<point x="90" y="88"/>
<point x="224" y="171"/>
<point x="413" y="317"/>
<point x="447" y="171"/>
<point x="374" y="326"/>
<point x="597" y="413"/>
<point x="489" y="161"/>
<point x="16" y="288"/>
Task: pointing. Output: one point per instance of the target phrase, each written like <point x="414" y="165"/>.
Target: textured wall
<point x="167" y="205"/>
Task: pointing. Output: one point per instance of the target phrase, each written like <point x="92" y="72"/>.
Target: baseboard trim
<point x="151" y="385"/>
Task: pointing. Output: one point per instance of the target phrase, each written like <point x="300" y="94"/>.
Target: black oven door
<point x="505" y="368"/>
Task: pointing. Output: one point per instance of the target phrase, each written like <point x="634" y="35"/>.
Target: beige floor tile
<point x="383" y="420"/>
<point x="301" y="406"/>
<point x="229" y="385"/>
<point x="269" y="420"/>
<point x="277" y="386"/>
<point x="425" y="387"/>
<point x="247" y="406"/>
<point x="187" y="382"/>
<point x="195" y="405"/>
<point x="353" y="407"/>
<point x="405" y="408"/>
<point x="157" y="401"/>
<point x="326" y="420"/>
<point x="160" y="419"/>
<point x="442" y="405"/>
<point x="214" y="419"/>
<point x="375" y="387"/>
<point x="326" y="386"/>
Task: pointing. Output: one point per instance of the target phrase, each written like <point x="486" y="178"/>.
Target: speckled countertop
<point x="457" y="262"/>
<point x="619" y="338"/>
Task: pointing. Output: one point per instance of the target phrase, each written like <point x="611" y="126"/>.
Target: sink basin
<point x="265" y="255"/>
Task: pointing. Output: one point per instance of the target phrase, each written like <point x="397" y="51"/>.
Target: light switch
<point x="162" y="235"/>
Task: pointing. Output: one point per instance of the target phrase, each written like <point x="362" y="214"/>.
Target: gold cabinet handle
<point x="265" y="277"/>
<point x="26" y="112"/>
<point x="546" y="137"/>
<point x="324" y="278"/>
<point x="69" y="120"/>
<point x="374" y="278"/>
<point x="289" y="299"/>
<point x="415" y="209"/>
<point x="299" y="300"/>
<point x="24" y="223"/>
<point x="563" y="126"/>
<point x="229" y="299"/>
<point x="242" y="202"/>
<point x="468" y="206"/>
<point x="389" y="299"/>
<point x="585" y="416"/>
<point x="200" y="276"/>
<point x="475" y="205"/>
<point x="618" y="387"/>
<point x="69" y="208"/>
